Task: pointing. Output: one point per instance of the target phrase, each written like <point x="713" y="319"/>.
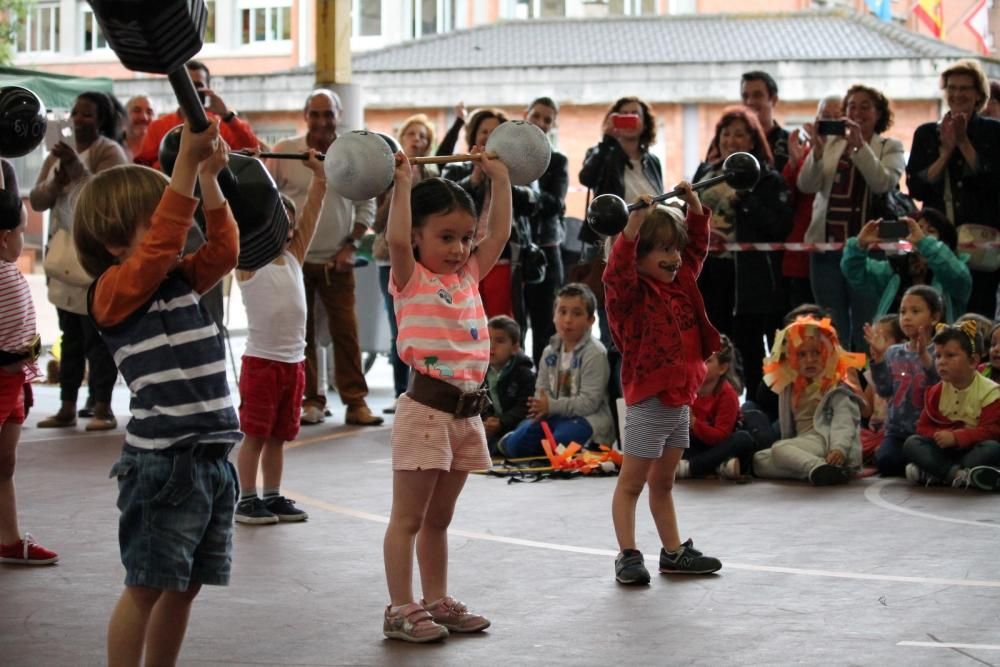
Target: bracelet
<point x="229" y="116"/>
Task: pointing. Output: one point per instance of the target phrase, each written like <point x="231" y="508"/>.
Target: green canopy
<point x="57" y="91"/>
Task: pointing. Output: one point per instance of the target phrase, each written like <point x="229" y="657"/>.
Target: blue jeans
<point x="849" y="308"/>
<point x="889" y="456"/>
<point x="942" y="463"/>
<point x="176" y="523"/>
<point x="526" y="439"/>
<point x="400" y="371"/>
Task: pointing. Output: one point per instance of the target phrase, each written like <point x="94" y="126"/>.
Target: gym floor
<point x="877" y="572"/>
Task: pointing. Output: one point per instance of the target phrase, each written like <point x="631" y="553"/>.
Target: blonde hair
<point x="110" y="208"/>
<point x="418" y="119"/>
<point x="973" y="69"/>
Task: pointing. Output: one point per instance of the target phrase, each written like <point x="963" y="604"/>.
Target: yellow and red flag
<point x="931" y="15"/>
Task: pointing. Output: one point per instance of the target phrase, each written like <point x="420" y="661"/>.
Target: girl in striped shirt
<point x="438" y="436"/>
<point x="18" y="350"/>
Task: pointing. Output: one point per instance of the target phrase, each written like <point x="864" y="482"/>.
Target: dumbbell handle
<point x="430" y="159"/>
<point x="281" y="156"/>
<point x="700" y="185"/>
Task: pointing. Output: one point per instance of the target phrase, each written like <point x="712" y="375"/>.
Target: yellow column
<point x="333" y="42"/>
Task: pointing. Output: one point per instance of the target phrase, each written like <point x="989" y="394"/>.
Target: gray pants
<point x="792" y="458"/>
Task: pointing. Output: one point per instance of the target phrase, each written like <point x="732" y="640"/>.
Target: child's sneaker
<point x="917" y="475"/>
<point x="27" y="552"/>
<point x="455" y="616"/>
<point x="253" y="512"/>
<point x="683" y="469"/>
<point x="826" y="474"/>
<point x="962" y="479"/>
<point x="630" y="568"/>
<point x="730" y="469"/>
<point x="688" y="560"/>
<point x="412" y="623"/>
<point x="285" y="509"/>
<point x="985" y="478"/>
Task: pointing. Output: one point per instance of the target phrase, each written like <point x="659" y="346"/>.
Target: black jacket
<point x="515" y="386"/>
<point x="547" y="222"/>
<point x="976" y="194"/>
<point x="764" y="214"/>
<point x="524" y="199"/>
<point x="603" y="172"/>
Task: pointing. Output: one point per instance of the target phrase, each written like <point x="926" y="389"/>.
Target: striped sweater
<point x="17" y="315"/>
<point x="163" y="341"/>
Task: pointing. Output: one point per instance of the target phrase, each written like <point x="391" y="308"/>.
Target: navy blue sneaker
<point x="630" y="568"/>
<point x="687" y="560"/>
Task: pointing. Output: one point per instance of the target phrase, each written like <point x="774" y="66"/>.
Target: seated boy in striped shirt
<point x="177" y="489"/>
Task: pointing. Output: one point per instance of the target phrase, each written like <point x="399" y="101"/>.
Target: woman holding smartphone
<point x="849" y="162"/>
<point x="622" y="165"/>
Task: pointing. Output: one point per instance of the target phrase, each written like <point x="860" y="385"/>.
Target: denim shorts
<point x="176" y="523"/>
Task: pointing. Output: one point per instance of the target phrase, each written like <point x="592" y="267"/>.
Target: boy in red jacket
<point x="958" y="434"/>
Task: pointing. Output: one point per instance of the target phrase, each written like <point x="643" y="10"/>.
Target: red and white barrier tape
<point x="826" y="247"/>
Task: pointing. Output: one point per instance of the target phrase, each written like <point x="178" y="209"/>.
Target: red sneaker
<point x="27" y="552"/>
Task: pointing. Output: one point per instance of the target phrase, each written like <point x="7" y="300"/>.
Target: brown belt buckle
<point x="471" y="403"/>
<point x="35" y="349"/>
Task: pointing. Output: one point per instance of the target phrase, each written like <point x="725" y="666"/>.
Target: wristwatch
<point x="350" y="240"/>
<point x="229" y="116"/>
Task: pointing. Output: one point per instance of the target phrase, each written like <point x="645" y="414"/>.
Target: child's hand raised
<point x="690" y="197"/>
<point x="217" y="161"/>
<point x="877" y="343"/>
<point x="196" y="147"/>
<point x="314" y="165"/>
<point x="402" y="175"/>
<point x="494" y="168"/>
<point x="868" y="236"/>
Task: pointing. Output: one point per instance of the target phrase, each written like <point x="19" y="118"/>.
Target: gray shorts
<point x="650" y="426"/>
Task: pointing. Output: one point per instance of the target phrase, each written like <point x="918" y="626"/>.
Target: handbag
<point x="891" y="205"/>
<point x="62" y="263"/>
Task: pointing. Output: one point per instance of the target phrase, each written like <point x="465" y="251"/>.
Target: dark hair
<point x="571" y="290"/>
<point x="992" y="332"/>
<point x="508" y="326"/>
<point x="982" y="324"/>
<point x="120" y="120"/>
<point x="760" y="75"/>
<point x="760" y="150"/>
<point x="648" y="136"/>
<point x="881" y="102"/>
<point x="437" y="196"/>
<point x="805" y="310"/>
<point x="107" y="119"/>
<point x="931" y="297"/>
<point x="545" y="102"/>
<point x="971" y="344"/>
<point x="892" y="320"/>
<point x="995" y="90"/>
<point x="10" y="210"/>
<point x="728" y="354"/>
<point x="477" y="118"/>
<point x="193" y="65"/>
<point x="947" y="233"/>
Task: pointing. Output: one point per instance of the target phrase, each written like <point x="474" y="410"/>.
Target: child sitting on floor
<point x="716" y="444"/>
<point x="991" y="368"/>
<point x="510" y="380"/>
<point x="571" y="390"/>
<point x="876" y="406"/>
<point x="819" y="412"/>
<point x="958" y="435"/>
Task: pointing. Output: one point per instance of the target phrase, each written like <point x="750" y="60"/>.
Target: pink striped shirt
<point x="17" y="315"/>
<point x="442" y="325"/>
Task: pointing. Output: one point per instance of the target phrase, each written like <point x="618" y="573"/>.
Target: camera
<point x="831" y="128"/>
<point x="893" y="229"/>
<point x="625" y="121"/>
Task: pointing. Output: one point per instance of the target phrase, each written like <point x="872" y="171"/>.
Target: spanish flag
<point x="930" y="14"/>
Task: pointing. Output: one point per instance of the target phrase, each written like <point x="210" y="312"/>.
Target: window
<point x="40" y="30"/>
<point x="265" y="23"/>
<point x="529" y="9"/>
<point x="428" y="17"/>
<point x="93" y="38"/>
<point x="631" y="7"/>
<point x="431" y="17"/>
<point x="369" y="23"/>
<point x="210" y="23"/>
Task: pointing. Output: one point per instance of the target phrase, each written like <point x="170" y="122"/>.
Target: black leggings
<point x="81" y="344"/>
<point x="540" y="302"/>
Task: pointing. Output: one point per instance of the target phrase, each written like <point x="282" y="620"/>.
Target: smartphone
<point x="625" y="121"/>
<point x="893" y="229"/>
<point x="831" y="128"/>
<point x="59" y="130"/>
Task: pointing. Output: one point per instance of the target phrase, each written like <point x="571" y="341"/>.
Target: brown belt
<point x="446" y="397"/>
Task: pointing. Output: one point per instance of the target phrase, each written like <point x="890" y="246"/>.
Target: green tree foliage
<point x="12" y="13"/>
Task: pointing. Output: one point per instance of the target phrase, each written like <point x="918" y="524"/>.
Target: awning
<point x="57" y="91"/>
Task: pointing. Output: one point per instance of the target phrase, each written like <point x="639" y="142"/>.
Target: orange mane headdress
<point x="780" y="370"/>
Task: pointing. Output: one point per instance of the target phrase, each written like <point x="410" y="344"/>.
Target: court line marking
<point x="977" y="647"/>
<point x="377" y="518"/>
<point x="873" y="494"/>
